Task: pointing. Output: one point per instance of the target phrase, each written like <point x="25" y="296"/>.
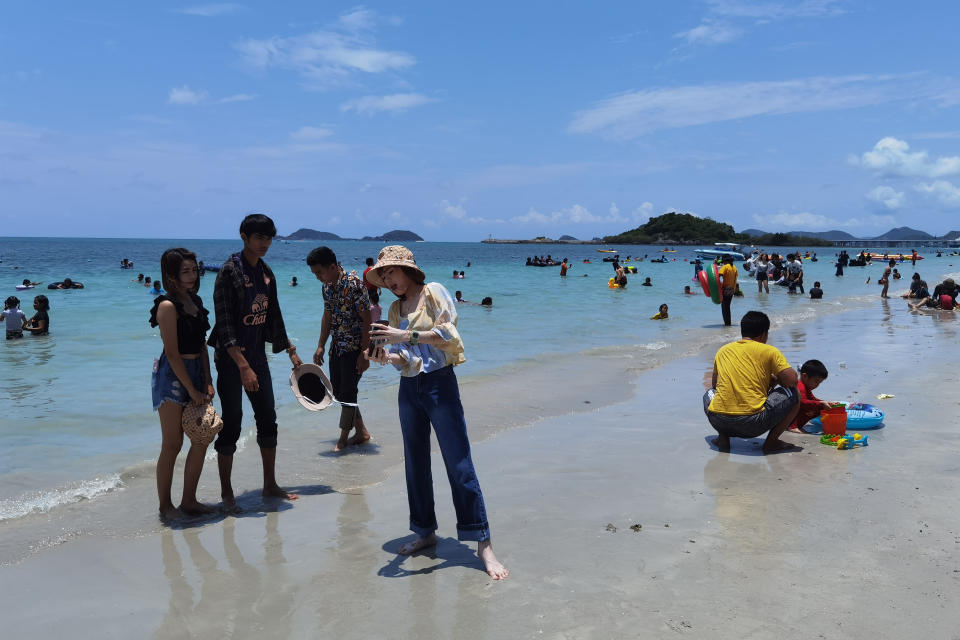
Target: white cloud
<point x="458" y="212"/>
<point x="806" y="221"/>
<point x="636" y="113"/>
<point x="328" y="57"/>
<point x="727" y="20"/>
<point x="891" y="156"/>
<point x="398" y="218"/>
<point x="946" y="192"/>
<point x="887" y="196"/>
<point x="455" y="211"/>
<point x="211" y="10"/>
<point x="186" y="95"/>
<point x="311" y="133"/>
<point x="358" y="19"/>
<point x="577" y="214"/>
<point x="710" y="33"/>
<point x="642" y="213"/>
<point x="766" y="11"/>
<point x="369" y="105"/>
<point x="238" y="97"/>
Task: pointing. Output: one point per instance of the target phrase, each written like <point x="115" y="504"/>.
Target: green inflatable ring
<point x="713" y="282"/>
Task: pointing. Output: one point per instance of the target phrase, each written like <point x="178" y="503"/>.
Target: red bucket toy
<point x="834" y="421"/>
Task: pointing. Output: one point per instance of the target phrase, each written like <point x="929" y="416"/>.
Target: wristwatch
<point x="414" y="337"/>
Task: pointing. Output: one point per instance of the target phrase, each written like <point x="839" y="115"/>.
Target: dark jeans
<point x="725" y="306"/>
<point x="231" y="392"/>
<point x="344" y="379"/>
<point x="434" y="398"/>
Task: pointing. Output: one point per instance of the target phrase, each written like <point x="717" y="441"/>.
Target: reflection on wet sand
<point x="237" y="602"/>
<point x="345" y="588"/>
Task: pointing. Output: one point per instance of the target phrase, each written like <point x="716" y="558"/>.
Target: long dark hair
<point x="170" y="264"/>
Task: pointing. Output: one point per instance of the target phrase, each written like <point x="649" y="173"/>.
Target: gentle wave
<point x="45" y="501"/>
<point x="655" y="346"/>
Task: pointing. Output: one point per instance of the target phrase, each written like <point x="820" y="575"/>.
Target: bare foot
<point x="722" y="443"/>
<point x="230" y="505"/>
<point x="359" y="438"/>
<point x="796" y="430"/>
<point x="170" y="513"/>
<point x="494" y="569"/>
<point x="419" y="544"/>
<point x="341" y="443"/>
<point x="276" y="492"/>
<point x="196" y="508"/>
<point x="779" y="446"/>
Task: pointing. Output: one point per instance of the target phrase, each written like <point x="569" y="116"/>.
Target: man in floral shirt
<point x="346" y="320"/>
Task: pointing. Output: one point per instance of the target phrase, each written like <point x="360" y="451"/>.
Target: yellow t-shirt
<point x="728" y="276"/>
<point x="745" y="370"/>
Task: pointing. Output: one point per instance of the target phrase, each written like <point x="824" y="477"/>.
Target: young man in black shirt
<point x="248" y="315"/>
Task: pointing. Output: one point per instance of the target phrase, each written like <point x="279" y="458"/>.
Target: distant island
<point x="684" y="228"/>
<point x="397" y="235"/>
<point x="543" y="240"/>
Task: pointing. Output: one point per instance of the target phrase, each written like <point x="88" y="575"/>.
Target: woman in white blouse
<point x="422" y="341"/>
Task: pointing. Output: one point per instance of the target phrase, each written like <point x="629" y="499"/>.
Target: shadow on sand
<point x="747" y="447"/>
<point x="450" y="551"/>
<point x="253" y="505"/>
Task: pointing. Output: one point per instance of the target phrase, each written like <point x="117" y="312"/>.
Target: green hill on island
<point x="685" y="228"/>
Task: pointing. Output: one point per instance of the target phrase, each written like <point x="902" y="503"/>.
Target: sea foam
<point x="44" y="501"/>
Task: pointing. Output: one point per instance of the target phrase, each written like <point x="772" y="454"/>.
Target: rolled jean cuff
<point x="475" y="532"/>
<point x="266" y="443"/>
<point x="225" y="449"/>
<point x="422" y="531"/>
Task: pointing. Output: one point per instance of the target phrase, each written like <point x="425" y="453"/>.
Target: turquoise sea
<point x="76" y="404"/>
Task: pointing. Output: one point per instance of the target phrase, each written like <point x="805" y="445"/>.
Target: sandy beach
<point x="820" y="543"/>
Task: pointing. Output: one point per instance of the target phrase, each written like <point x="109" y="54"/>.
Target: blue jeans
<point x="434" y="398"/>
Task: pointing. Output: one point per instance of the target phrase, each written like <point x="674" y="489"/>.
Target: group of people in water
<point x="16" y="321"/>
<point x="420" y="339"/>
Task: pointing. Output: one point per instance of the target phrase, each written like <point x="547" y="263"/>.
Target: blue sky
<point x="465" y="120"/>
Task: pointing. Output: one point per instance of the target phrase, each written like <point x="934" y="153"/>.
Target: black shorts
<point x="779" y="403"/>
<point x="343" y="375"/>
<point x="761" y="276"/>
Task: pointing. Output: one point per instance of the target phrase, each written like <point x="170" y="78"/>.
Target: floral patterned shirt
<point x="345" y="300"/>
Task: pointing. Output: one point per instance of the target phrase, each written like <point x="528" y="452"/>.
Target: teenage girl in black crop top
<point x="181" y="375"/>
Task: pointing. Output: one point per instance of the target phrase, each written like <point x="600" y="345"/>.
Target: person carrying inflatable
<point x="728" y="287"/>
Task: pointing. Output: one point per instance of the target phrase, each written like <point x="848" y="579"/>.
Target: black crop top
<point x="191" y="330"/>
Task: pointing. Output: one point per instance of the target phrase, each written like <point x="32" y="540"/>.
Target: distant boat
<point x="722" y="250"/>
<point x="607" y="250"/>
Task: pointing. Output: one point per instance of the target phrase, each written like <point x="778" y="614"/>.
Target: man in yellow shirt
<point x="728" y="287"/>
<point x="745" y="401"/>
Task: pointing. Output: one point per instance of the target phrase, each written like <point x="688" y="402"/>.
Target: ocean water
<point x="76" y="407"/>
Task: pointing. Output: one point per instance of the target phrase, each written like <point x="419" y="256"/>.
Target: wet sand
<point x="820" y="543"/>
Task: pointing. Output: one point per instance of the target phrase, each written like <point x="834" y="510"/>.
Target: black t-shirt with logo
<point x="253" y="316"/>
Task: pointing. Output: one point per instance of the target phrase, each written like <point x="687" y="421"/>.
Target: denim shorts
<point x="166" y="385"/>
<point x="779" y="403"/>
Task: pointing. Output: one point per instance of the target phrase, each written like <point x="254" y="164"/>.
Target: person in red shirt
<point x="367" y="283"/>
<point x="812" y="373"/>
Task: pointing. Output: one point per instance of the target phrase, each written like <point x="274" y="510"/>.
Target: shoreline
<point x="599" y="377"/>
<point x="724" y="537"/>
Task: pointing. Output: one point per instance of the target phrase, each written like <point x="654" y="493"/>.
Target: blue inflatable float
<point x="860" y="416"/>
